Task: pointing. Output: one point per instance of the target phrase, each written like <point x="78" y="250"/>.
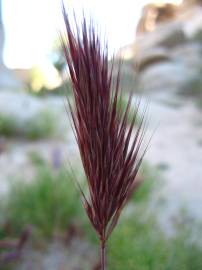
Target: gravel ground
<point x="78" y="255"/>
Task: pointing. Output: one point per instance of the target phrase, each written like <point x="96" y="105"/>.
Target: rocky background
<point x="162" y="66"/>
<point x="168" y="60"/>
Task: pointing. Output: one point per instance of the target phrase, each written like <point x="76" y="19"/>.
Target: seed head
<point x="109" y="150"/>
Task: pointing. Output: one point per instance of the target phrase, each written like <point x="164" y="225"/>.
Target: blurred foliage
<point x="48" y="79"/>
<point x="150" y="181"/>
<point x="37" y="79"/>
<point x="41" y="125"/>
<point x="49" y="202"/>
<point x="44" y="76"/>
<point x="140" y="244"/>
<point x="8" y="125"/>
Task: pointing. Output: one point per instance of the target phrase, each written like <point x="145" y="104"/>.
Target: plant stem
<point x="102" y="255"/>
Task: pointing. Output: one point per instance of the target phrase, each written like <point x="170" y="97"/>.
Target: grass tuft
<point x="48" y="202"/>
<point x="42" y="125"/>
<point x="141" y="245"/>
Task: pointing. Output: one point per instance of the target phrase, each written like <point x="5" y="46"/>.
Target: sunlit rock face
<point x="158" y="12"/>
<point x="8" y="81"/>
<point x="155" y="13"/>
<point x="167" y="50"/>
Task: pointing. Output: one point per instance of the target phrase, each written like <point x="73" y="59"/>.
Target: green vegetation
<point x="49" y="202"/>
<point x="150" y="179"/>
<point x="139" y="244"/>
<point x="8" y="125"/>
<point x="41" y="125"/>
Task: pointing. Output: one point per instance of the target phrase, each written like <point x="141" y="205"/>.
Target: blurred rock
<point x="8" y="80"/>
<point x="166" y="35"/>
<point x="128" y="74"/>
<point x="153" y="56"/>
<point x="23" y="106"/>
<point x="189" y="54"/>
<point x="155" y="13"/>
<point x="170" y="70"/>
<point x="191" y="20"/>
<point x="168" y="50"/>
<point x="167" y="76"/>
<point x="191" y="2"/>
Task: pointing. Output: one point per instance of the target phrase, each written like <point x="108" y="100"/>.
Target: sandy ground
<point x="59" y="257"/>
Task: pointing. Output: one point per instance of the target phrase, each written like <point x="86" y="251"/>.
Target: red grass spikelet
<point x="110" y="152"/>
